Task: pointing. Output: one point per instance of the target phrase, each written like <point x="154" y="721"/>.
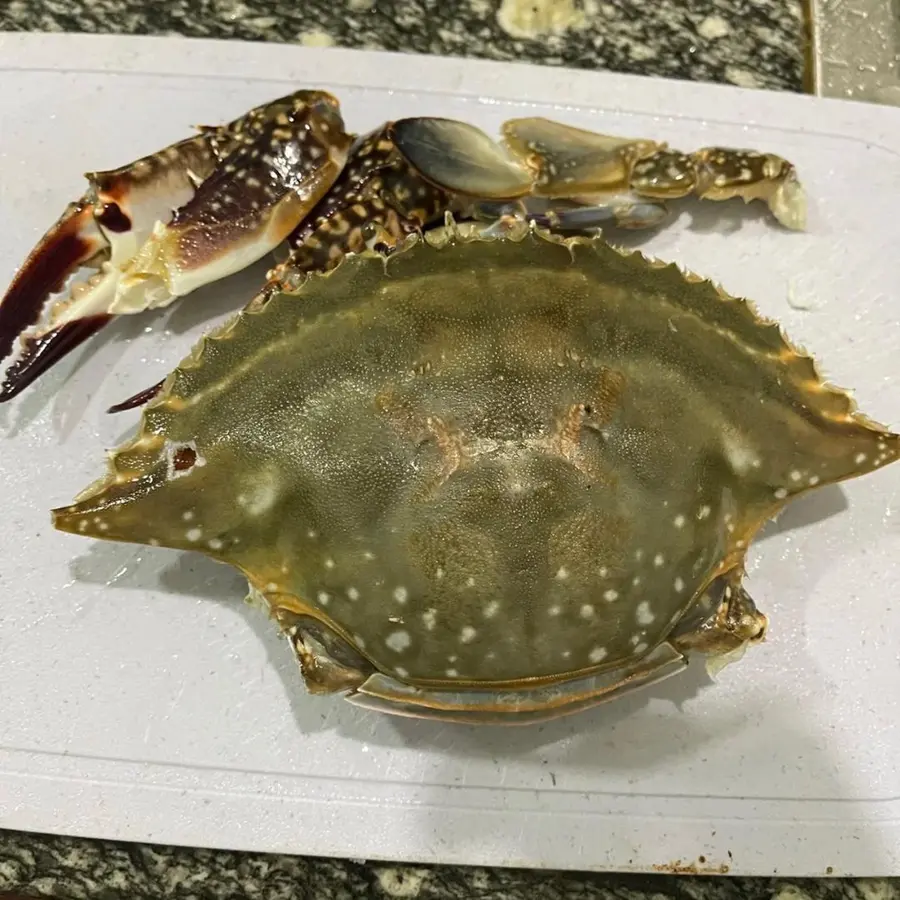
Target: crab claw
<point x="101" y="230"/>
<point x="162" y="226"/>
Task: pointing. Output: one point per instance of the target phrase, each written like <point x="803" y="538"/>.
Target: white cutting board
<point x="140" y="699"/>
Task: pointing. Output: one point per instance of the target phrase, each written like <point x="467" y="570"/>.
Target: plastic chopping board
<point x="141" y="699"/>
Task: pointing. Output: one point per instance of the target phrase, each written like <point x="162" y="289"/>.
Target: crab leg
<point x="604" y="171"/>
<point x="236" y="191"/>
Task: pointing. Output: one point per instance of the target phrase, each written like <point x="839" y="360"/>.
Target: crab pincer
<point x="166" y="224"/>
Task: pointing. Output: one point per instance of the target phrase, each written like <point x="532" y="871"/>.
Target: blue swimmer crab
<point x="476" y="468"/>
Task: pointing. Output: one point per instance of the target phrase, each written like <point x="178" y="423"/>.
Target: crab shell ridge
<point x="482" y="464"/>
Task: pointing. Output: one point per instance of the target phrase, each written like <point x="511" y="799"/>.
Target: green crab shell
<point x="484" y="461"/>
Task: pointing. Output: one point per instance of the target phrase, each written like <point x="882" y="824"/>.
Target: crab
<point x="491" y="474"/>
<point x="289" y="173"/>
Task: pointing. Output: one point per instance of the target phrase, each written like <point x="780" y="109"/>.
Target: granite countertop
<point x="74" y="869"/>
<point x="751" y="43"/>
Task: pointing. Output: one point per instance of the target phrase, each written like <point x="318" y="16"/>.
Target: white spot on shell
<point x="467" y="634"/>
<point x="679" y="583"/>
<point x="780" y="493"/>
<point x="398" y="641"/>
<point x="813" y="480"/>
<point x="215" y="544"/>
<point x="703" y="512"/>
<point x="187" y="515"/>
<point x="587" y="611"/>
<point x="679" y="521"/>
<point x="610" y="595"/>
<point x="554" y="610"/>
<point x="658" y="560"/>
<point x="643" y="614"/>
<point x="491" y="609"/>
<point x="401" y="595"/>
<point x="451" y="673"/>
<point x="323" y="598"/>
<point x="194" y="534"/>
<point x="353" y="593"/>
<point x="261" y="497"/>
<point x="401" y="671"/>
<point x="329" y="562"/>
<point x="439" y="573"/>
<point x="795" y="475"/>
<point x="741" y="457"/>
<point x="640" y="648"/>
<point x="470" y="582"/>
<point x="598" y="654"/>
<point x="562" y="573"/>
<point x="429" y="619"/>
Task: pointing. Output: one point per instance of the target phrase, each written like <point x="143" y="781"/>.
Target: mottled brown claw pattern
<point x="283" y="161"/>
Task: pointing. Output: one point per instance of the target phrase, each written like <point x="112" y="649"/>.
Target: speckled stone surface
<point x="98" y="869"/>
<point x="752" y="43"/>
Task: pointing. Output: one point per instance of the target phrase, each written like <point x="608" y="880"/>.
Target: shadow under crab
<point x="495" y="477"/>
